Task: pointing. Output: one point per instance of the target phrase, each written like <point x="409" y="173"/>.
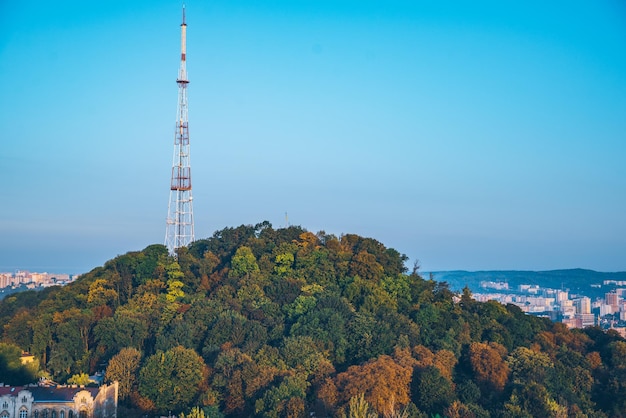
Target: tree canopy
<point x="257" y="321"/>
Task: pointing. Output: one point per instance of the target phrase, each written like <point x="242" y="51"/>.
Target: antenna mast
<point x="179" y="229"/>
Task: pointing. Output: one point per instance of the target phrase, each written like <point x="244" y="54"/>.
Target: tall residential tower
<point x="179" y="229"/>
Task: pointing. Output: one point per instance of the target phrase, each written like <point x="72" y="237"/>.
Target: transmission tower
<point x="179" y="229"/>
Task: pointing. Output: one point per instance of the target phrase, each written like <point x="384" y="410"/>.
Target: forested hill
<point x="257" y="321"/>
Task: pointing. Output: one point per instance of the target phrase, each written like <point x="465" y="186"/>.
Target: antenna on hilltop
<point x="179" y="229"/>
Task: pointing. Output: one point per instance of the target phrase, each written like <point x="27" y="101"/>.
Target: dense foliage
<point x="257" y="321"/>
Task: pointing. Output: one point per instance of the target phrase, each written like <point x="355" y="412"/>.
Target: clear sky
<point x="466" y="134"/>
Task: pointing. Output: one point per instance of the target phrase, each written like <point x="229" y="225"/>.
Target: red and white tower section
<point x="179" y="230"/>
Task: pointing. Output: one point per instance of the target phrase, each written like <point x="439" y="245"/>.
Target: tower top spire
<point x="183" y="47"/>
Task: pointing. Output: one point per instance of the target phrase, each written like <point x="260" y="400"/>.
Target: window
<point x="36" y="414"/>
<point x="24" y="400"/>
<point x="70" y="414"/>
<point x="54" y="414"/>
<point x="44" y="413"/>
<point x="5" y="405"/>
<point x="82" y="414"/>
<point x="23" y="413"/>
<point x="62" y="414"/>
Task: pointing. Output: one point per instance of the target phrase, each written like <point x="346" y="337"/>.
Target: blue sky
<point x="466" y="134"/>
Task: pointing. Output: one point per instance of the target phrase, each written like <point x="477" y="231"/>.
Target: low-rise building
<point x="58" y="401"/>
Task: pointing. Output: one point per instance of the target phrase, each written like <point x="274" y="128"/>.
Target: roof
<point x="10" y="390"/>
<point x="49" y="394"/>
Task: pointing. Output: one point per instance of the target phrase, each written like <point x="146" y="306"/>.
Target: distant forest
<point x="265" y="322"/>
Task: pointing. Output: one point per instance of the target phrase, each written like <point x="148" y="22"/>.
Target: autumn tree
<point x="229" y="379"/>
<point x="424" y="357"/>
<point x="488" y="365"/>
<point x="384" y="383"/>
<point x="458" y="410"/>
<point x="445" y="361"/>
<point x="366" y="266"/>
<point x="123" y="368"/>
<point x="101" y="293"/>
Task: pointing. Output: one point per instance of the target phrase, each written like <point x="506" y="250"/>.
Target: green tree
<point x="301" y="354"/>
<point x="18" y="329"/>
<point x="535" y="400"/>
<point x="42" y="337"/>
<point x="243" y="263"/>
<point x="527" y="365"/>
<point x="287" y="399"/>
<point x="358" y="407"/>
<point x="71" y="336"/>
<point x="284" y="263"/>
<point x="611" y="391"/>
<point x="233" y="328"/>
<point x="432" y="392"/>
<point x="368" y="337"/>
<point x="12" y="371"/>
<point x="172" y="379"/>
<point x="327" y="323"/>
<point x="194" y="413"/>
<point x="81" y="379"/>
<point x="123" y="330"/>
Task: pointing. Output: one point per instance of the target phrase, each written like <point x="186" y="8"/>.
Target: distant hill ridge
<point x="577" y="280"/>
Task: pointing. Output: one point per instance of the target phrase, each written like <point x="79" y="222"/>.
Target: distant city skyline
<point x="479" y="135"/>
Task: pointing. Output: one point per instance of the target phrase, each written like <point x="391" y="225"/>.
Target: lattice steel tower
<point x="179" y="230"/>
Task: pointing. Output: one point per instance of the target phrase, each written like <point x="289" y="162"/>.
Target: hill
<point x="257" y="321"/>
